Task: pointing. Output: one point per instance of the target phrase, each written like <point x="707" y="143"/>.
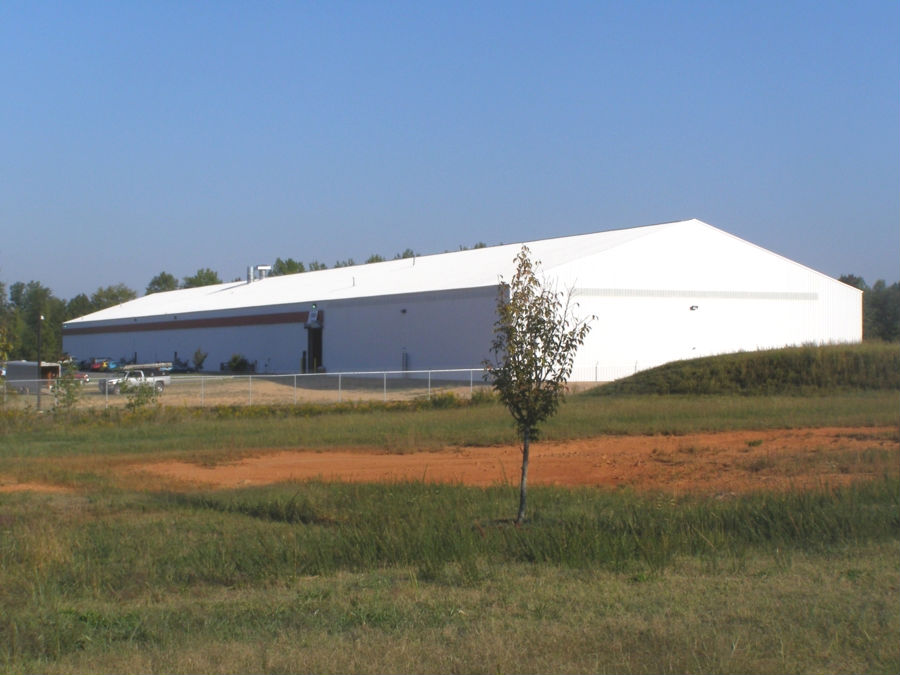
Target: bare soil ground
<point x="713" y="463"/>
<point x="718" y="463"/>
<point x="8" y="486"/>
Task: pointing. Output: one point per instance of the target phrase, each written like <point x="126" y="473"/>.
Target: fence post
<point x="295" y="390"/>
<point x="202" y="391"/>
<point x="250" y="387"/>
<point x="429" y="384"/>
<point x="340" y="388"/>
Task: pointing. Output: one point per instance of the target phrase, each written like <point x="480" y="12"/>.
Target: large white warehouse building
<point x="659" y="293"/>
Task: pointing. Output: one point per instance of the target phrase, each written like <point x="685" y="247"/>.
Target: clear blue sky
<point x="140" y="137"/>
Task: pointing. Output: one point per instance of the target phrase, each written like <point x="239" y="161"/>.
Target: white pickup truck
<point x="134" y="378"/>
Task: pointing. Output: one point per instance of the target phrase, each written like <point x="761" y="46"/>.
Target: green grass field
<point x="399" y="427"/>
<point x="412" y="577"/>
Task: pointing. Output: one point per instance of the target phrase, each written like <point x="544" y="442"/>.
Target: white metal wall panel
<point x="745" y="298"/>
<point x="640" y="283"/>
<point x="448" y="329"/>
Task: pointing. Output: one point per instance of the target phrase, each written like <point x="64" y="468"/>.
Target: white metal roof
<point x="455" y="270"/>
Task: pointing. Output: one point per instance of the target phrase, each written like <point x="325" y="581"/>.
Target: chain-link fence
<point x="211" y="390"/>
<point x="96" y="389"/>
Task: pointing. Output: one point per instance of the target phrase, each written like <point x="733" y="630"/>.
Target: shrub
<point x="199" y="359"/>
<point x="66" y="390"/>
<point x="140" y="396"/>
<point x="238" y="363"/>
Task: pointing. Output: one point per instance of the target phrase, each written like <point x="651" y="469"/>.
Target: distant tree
<point x="5" y="317"/>
<point x="855" y="281"/>
<point x="349" y="262"/>
<point x="78" y="306"/>
<point x="5" y="344"/>
<point x="535" y="340"/>
<point x="203" y="277"/>
<point x="161" y="283"/>
<point x="289" y="266"/>
<point x="30" y="302"/>
<point x="408" y="253"/>
<point x="108" y="296"/>
<point x="316" y="266"/>
<point x="480" y="244"/>
<point x="374" y="258"/>
<point x="6" y="314"/>
<point x="17" y="295"/>
<point x="881" y="308"/>
<point x="881" y="312"/>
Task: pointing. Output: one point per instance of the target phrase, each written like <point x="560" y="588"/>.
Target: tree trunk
<point x="520" y="518"/>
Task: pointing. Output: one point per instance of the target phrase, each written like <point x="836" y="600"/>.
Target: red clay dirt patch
<point x="31" y="487"/>
<point x="727" y="462"/>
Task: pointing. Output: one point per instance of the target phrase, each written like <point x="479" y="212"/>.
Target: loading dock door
<point x="312" y="357"/>
<point x="313" y="348"/>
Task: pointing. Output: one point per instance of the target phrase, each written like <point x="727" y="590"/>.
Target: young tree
<point x="199" y="359"/>
<point x="535" y="340"/>
<point x="66" y="389"/>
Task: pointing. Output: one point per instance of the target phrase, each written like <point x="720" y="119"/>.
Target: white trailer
<point x="25" y="376"/>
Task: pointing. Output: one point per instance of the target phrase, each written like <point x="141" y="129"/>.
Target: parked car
<point x="100" y="365"/>
<point x="97" y="365"/>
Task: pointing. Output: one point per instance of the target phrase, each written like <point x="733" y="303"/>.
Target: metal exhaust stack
<point x="257" y="272"/>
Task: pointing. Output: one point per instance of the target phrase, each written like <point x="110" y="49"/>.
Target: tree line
<point x="881" y="308"/>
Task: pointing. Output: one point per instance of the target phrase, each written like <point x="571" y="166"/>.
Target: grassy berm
<point x="104" y="576"/>
<point x="798" y="370"/>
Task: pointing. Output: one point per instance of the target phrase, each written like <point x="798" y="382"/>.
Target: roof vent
<point x="257" y="272"/>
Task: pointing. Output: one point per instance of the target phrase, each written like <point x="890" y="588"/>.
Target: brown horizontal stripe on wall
<point x="181" y="324"/>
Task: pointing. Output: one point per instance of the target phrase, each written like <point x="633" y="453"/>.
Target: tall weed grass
<point x="119" y="572"/>
<point x="262" y="535"/>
